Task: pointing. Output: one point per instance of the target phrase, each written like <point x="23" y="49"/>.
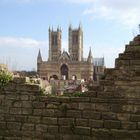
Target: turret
<point x="39" y="57"/>
<point x="80" y="26"/>
<point x="76" y="43"/>
<point x="90" y="57"/>
<point x="54" y="44"/>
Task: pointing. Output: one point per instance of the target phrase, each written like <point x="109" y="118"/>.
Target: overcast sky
<point x="107" y="26"/>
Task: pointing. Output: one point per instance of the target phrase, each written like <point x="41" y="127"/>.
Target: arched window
<point x="64" y="71"/>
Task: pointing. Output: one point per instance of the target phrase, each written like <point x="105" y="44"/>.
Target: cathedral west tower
<point x="54" y="44"/>
<point x="76" y="43"/>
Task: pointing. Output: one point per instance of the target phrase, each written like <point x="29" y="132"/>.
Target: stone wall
<point x="110" y="112"/>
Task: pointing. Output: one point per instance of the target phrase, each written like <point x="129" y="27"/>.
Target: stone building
<point x="62" y="64"/>
<point x="99" y="66"/>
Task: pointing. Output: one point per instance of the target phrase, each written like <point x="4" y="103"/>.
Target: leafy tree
<point x="5" y="77"/>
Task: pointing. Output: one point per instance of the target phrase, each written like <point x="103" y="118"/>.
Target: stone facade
<point x="110" y="112"/>
<point x="69" y="64"/>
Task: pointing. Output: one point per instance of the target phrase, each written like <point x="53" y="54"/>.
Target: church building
<point x="62" y="64"/>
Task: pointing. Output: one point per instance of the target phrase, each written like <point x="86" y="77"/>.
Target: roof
<point x="64" y="56"/>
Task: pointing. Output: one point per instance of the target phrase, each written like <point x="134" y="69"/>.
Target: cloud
<point x="21" y="42"/>
<point x="124" y="12"/>
<point x="20" y="53"/>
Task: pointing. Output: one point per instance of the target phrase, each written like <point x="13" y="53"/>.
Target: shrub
<point x="5" y="78"/>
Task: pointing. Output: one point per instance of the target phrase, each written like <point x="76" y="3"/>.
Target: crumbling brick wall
<point x="110" y="112"/>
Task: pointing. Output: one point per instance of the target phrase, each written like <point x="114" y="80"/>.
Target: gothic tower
<point x="76" y="43"/>
<point x="39" y="61"/>
<point x="54" y="44"/>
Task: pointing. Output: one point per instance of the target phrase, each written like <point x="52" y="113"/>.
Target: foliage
<point x="72" y="126"/>
<point x="42" y="91"/>
<point x="63" y="108"/>
<point x="78" y="94"/>
<point x="90" y="88"/>
<point x="102" y="77"/>
<point x="5" y="78"/>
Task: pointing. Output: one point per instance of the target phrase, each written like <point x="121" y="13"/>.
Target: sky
<point x="107" y="26"/>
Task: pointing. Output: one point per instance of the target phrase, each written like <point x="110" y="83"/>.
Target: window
<point x="54" y="40"/>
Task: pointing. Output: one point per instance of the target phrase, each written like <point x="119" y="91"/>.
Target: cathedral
<point x="66" y="65"/>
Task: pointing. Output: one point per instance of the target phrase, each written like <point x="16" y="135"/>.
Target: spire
<point x="39" y="57"/>
<point x="58" y="29"/>
<point x="90" y="58"/>
<point x="80" y="26"/>
<point x="70" y="26"/>
<point x="49" y="29"/>
<point x="139" y="28"/>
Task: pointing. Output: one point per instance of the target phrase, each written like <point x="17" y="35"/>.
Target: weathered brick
<point x="72" y="105"/>
<point x="15" y="111"/>
<point x="82" y="122"/>
<point x="121" y="134"/>
<point x="92" y="106"/>
<point x="28" y="126"/>
<point x="34" y="119"/>
<point x="128" y="108"/>
<point x="66" y="129"/>
<point x="84" y="106"/>
<point x="38" y="104"/>
<point x="135" y="118"/>
<point x="33" y="97"/>
<point x="49" y="121"/>
<point x="82" y="130"/>
<point x="21" y="118"/>
<point x="2" y="125"/>
<point x="27" y="104"/>
<point x="1" y="117"/>
<point x="52" y="129"/>
<point x="112" y="124"/>
<point x="51" y="106"/>
<point x="27" y="133"/>
<point x="65" y="121"/>
<point x="102" y="107"/>
<point x="37" y="112"/>
<point x="26" y="88"/>
<point x="137" y="109"/>
<point x="27" y="111"/>
<point x="123" y="117"/>
<point x="12" y="138"/>
<point x="92" y="115"/>
<point x="48" y="112"/>
<point x="58" y="113"/>
<point x="72" y="137"/>
<point x="13" y="125"/>
<point x="74" y="113"/>
<point x="96" y="123"/>
<point x="109" y="116"/>
<point x="42" y="127"/>
<point x="17" y="104"/>
<point x="116" y="108"/>
<point x="138" y="125"/>
<point x="24" y="97"/>
<point x="80" y="99"/>
<point x="103" y="134"/>
<point x="11" y="97"/>
<point x="128" y="125"/>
